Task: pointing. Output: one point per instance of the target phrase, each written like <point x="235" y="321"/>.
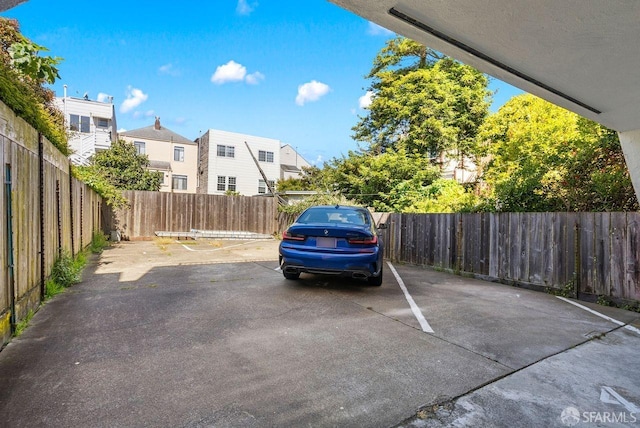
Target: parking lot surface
<point x="209" y="333"/>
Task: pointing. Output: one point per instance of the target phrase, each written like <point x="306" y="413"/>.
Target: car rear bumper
<point x="357" y="265"/>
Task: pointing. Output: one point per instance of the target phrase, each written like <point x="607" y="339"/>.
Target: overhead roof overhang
<point x="8" y="4"/>
<point x="583" y="55"/>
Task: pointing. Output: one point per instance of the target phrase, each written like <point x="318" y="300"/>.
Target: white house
<point x="291" y="163"/>
<point x="92" y="125"/>
<point x="226" y="164"/>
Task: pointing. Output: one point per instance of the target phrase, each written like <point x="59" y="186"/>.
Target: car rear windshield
<point x="335" y="215"/>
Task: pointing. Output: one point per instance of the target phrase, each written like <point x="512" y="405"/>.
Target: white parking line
<point x="615" y="321"/>
<point x="414" y="308"/>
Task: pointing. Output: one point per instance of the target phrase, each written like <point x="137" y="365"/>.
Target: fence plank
<point x="602" y="254"/>
<point x="587" y="253"/>
<point x="632" y="279"/>
<point x="535" y="247"/>
<point x="618" y="254"/>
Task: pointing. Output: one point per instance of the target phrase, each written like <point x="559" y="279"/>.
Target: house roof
<point x="152" y="133"/>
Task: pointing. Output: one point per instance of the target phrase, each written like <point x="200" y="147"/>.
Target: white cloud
<point x="375" y="30"/>
<point x="365" y="100"/>
<point x="169" y="70"/>
<point x="121" y="130"/>
<point x="311" y="91"/>
<point x="229" y="72"/>
<point x="135" y="97"/>
<point x="254" y="78"/>
<point x="244" y="8"/>
<point x="104" y="98"/>
<point x="234" y="72"/>
<point x="318" y="161"/>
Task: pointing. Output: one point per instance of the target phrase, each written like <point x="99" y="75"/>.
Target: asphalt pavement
<point x="209" y="333"/>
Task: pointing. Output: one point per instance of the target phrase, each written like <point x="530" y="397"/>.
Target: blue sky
<point x="290" y="70"/>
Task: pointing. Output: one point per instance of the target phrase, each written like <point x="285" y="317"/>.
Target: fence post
<point x="458" y="236"/>
<point x="59" y="214"/>
<point x="578" y="257"/>
<point x="81" y="217"/>
<point x="42" y="240"/>
<point x="71" y="208"/>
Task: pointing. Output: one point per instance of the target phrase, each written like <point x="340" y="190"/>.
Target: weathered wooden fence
<point x="597" y="253"/>
<point x="149" y="212"/>
<point x="45" y="212"/>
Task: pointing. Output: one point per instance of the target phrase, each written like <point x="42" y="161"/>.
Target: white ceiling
<point x="8" y="4"/>
<point x="581" y="54"/>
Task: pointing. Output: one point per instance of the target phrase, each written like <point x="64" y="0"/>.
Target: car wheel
<point x="375" y="280"/>
<point x="291" y="275"/>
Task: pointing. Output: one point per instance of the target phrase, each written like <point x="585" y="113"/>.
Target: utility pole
<point x="264" y="176"/>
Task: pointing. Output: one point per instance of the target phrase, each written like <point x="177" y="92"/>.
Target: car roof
<point x="338" y="207"/>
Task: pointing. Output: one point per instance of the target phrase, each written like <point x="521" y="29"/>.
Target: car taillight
<point x="287" y="236"/>
<point x="365" y="241"/>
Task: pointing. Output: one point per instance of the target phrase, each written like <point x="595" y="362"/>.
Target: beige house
<point x="172" y="154"/>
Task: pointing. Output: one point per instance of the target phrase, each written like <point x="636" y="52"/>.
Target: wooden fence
<point x="45" y="212"/>
<point x="596" y="253"/>
<point x="150" y="212"/>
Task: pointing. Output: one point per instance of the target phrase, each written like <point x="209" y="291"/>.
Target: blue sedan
<point x="333" y="240"/>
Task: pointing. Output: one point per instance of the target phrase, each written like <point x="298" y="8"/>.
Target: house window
<point x="79" y="123"/>
<point x="226" y="151"/>
<point x="222" y="183"/>
<point x="139" y="147"/>
<point x="264" y="156"/>
<point x="179" y="182"/>
<point x="178" y="154"/>
<point x="101" y="122"/>
<point x="262" y="187"/>
<point x="84" y="124"/>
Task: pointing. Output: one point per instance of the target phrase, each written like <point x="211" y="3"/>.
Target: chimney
<point x="157" y="124"/>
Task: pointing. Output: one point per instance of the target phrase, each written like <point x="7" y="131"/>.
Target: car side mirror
<point x="382" y="226"/>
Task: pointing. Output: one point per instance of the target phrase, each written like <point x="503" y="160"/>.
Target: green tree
<point x="369" y="178"/>
<point x="122" y="168"/>
<point x="313" y="178"/>
<point x="545" y="158"/>
<point x="597" y="176"/>
<point x="23" y="75"/>
<point x="528" y="145"/>
<point x="442" y="196"/>
<point x="422" y="101"/>
<point x="25" y="57"/>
